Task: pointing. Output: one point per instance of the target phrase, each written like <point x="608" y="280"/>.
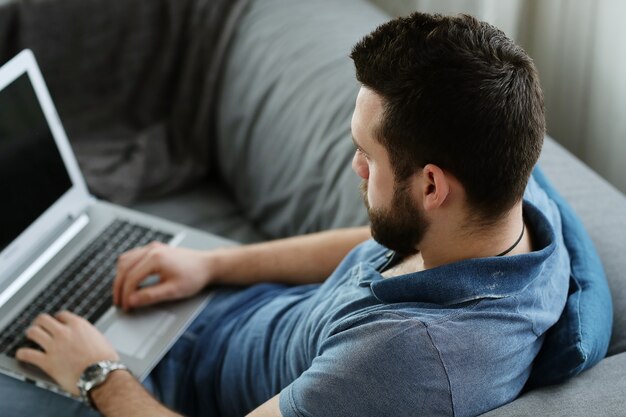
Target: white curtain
<point x="579" y="47"/>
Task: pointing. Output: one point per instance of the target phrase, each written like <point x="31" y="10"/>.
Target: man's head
<point x="448" y="95"/>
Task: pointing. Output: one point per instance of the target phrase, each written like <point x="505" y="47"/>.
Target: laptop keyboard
<point x="84" y="287"/>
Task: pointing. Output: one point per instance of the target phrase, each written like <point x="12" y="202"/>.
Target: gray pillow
<point x="288" y="93"/>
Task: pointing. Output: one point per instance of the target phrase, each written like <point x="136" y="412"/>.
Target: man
<point x="441" y="314"/>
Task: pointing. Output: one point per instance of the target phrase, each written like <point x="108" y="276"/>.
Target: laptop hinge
<point x="45" y="257"/>
<point x="82" y="208"/>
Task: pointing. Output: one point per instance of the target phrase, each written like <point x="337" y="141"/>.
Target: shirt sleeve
<point x="388" y="367"/>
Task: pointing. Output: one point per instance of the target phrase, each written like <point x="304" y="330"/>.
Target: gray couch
<point x="278" y="163"/>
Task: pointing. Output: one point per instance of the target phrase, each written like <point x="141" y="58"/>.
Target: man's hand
<point x="70" y="344"/>
<point x="182" y="273"/>
<point x="185" y="272"/>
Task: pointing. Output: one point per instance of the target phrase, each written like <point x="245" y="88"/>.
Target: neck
<point x="456" y="242"/>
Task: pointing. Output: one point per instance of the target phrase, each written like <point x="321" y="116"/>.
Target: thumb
<point x="150" y="295"/>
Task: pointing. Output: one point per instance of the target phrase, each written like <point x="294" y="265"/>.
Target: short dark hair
<point x="459" y="94"/>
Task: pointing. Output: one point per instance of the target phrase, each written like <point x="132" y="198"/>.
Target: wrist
<point x="106" y="391"/>
<point x="214" y="265"/>
<point x="123" y="395"/>
<point x="224" y="265"/>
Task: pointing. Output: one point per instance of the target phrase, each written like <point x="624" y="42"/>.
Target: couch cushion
<point x="288" y="95"/>
<point x="208" y="207"/>
<point x="602" y="209"/>
<point x="580" y="338"/>
<point x="134" y="83"/>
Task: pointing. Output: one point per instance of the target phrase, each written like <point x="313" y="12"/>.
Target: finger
<point x="154" y="294"/>
<point x="66" y="317"/>
<point x="125" y="262"/>
<point x="39" y="336"/>
<point x="31" y="356"/>
<point x="150" y="264"/>
<point x="48" y="323"/>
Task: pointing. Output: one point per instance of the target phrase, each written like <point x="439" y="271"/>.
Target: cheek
<point x="380" y="189"/>
<point x="360" y="166"/>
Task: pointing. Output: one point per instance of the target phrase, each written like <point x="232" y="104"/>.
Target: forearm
<point x="297" y="260"/>
<point x="122" y="395"/>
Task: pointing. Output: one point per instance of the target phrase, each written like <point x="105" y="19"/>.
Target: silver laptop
<point x="59" y="244"/>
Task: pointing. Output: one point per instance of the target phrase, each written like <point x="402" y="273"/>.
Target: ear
<point x="435" y="187"/>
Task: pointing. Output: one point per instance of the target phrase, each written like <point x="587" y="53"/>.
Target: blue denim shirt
<point x="454" y="340"/>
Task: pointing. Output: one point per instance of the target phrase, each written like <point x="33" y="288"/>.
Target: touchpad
<point x="135" y="334"/>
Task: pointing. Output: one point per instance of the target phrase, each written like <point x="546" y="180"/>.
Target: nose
<point x="359" y="165"/>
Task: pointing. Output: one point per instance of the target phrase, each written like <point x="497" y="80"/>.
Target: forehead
<point x="367" y="113"/>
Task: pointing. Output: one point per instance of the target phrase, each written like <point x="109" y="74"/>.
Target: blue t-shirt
<point x="453" y="340"/>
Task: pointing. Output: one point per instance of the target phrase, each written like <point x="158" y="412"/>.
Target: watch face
<point x="92" y="372"/>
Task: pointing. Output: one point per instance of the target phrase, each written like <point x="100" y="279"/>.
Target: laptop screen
<point x="32" y="173"/>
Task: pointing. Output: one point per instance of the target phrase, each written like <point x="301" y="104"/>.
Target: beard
<point x="401" y="227"/>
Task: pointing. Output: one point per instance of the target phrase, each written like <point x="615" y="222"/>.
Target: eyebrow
<point x="356" y="144"/>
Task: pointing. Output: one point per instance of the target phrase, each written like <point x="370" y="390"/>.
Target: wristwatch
<point x="95" y="375"/>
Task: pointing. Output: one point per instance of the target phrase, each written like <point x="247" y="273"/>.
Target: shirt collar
<point x="472" y="279"/>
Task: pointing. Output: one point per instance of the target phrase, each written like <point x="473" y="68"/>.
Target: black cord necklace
<point x="519" y="239"/>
